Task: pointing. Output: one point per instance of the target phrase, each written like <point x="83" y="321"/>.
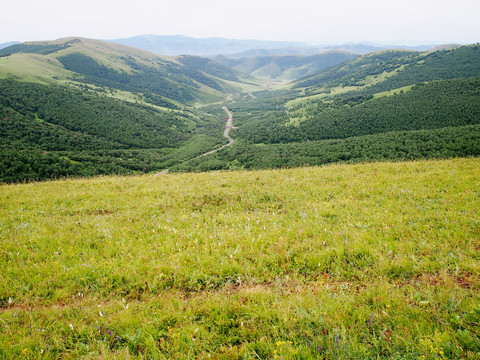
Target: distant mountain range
<point x="183" y="45"/>
<point x="7" y="44"/>
<point x="359" y="49"/>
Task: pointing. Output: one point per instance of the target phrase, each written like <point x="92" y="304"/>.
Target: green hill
<point x="387" y="70"/>
<point x="85" y="107"/>
<point x="115" y="66"/>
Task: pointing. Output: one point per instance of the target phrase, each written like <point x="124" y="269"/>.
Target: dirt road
<point x="228" y="126"/>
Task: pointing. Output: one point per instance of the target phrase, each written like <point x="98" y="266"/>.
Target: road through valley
<point x="228" y="126"/>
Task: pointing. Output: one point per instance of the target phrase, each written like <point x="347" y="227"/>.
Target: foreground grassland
<point x="361" y="261"/>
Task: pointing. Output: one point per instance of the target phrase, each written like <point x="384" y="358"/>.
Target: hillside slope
<point x="393" y="69"/>
<point x="118" y="67"/>
<point x="85" y="107"/>
<point x="350" y="262"/>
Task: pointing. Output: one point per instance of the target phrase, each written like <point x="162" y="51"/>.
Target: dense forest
<point x="113" y="120"/>
<point x="426" y="106"/>
<point x="392" y="146"/>
<point x="53" y="131"/>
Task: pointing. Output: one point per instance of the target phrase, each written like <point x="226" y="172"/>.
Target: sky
<point x="407" y="22"/>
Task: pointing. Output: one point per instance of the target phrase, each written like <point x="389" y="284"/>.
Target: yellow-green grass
<point x="323" y="94"/>
<point x="397" y="91"/>
<point x="363" y="261"/>
<point x="33" y="68"/>
<point x="108" y="53"/>
<point x="375" y="79"/>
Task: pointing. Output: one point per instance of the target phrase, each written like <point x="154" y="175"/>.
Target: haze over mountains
<point x="184" y="45"/>
<point x="4" y="45"/>
<point x="271" y="60"/>
<point x="285" y="67"/>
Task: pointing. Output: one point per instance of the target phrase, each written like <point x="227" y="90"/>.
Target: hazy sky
<point x="408" y="22"/>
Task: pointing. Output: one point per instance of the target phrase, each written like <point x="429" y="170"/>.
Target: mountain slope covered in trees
<point x="396" y="68"/>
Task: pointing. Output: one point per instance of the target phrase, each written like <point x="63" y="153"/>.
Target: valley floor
<point x="364" y="261"/>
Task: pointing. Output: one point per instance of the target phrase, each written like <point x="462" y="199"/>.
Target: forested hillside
<point x="113" y="120"/>
<point x="394" y="69"/>
<point x="72" y="132"/>
<point x="425" y="106"/>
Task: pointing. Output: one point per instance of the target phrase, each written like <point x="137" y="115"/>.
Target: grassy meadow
<point x="365" y="261"/>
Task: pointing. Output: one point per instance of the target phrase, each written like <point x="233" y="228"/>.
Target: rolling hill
<point x="78" y="106"/>
<point x="391" y="69"/>
<point x="117" y="67"/>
